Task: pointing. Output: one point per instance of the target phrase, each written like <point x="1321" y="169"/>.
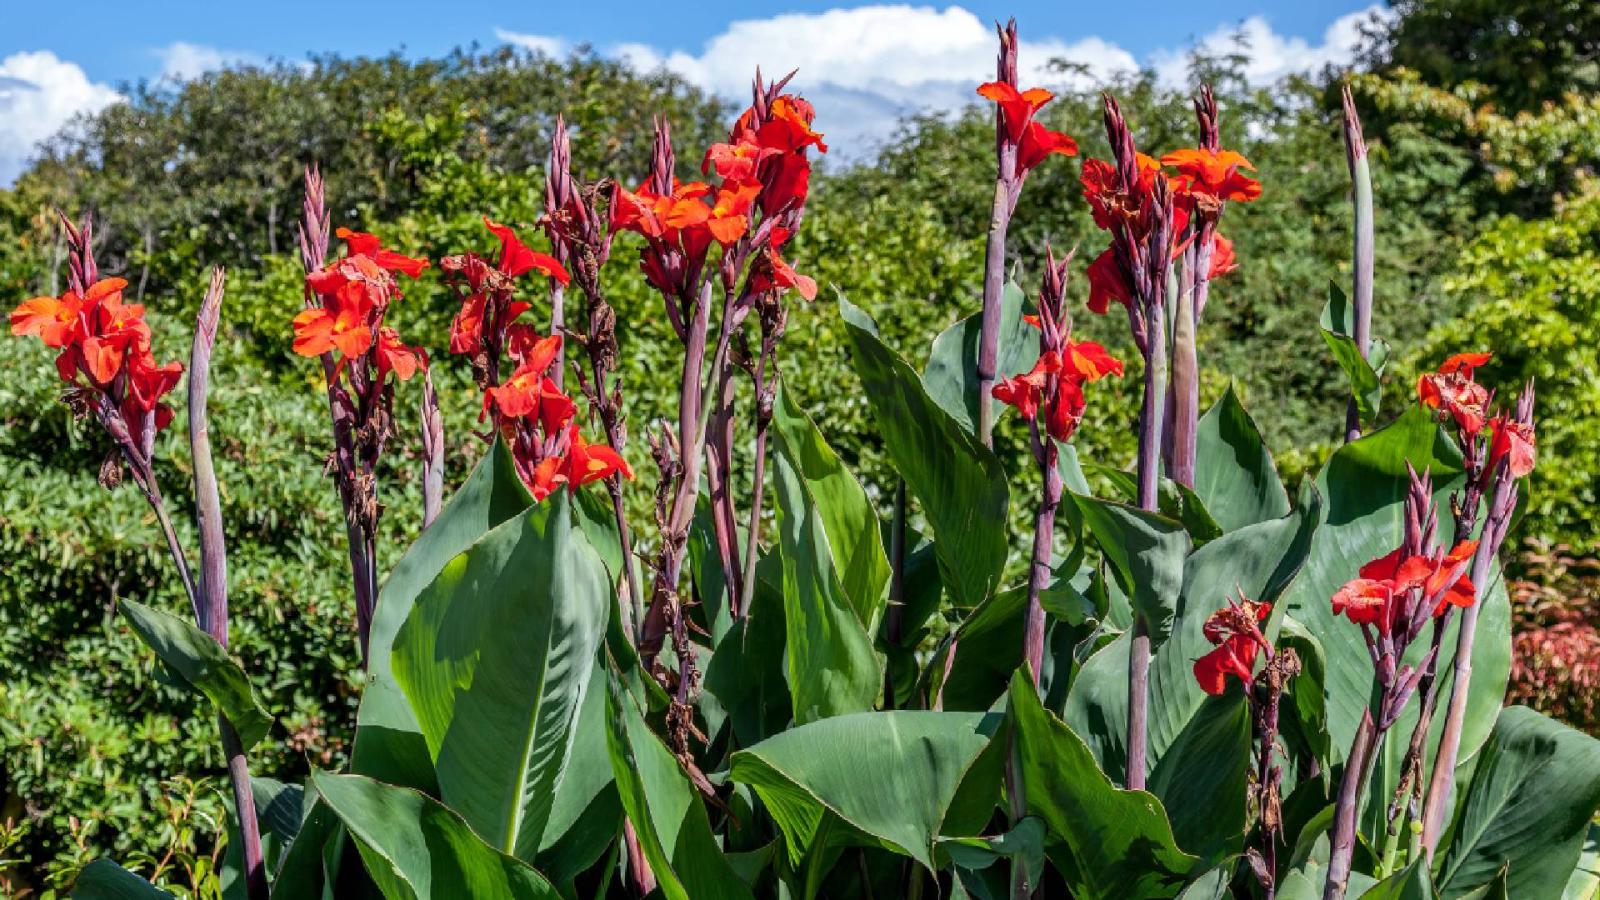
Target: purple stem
<point x="994" y="263"/>
<point x="1045" y="451"/>
<point x="1149" y="479"/>
<point x="1361" y="270"/>
<point x="1351" y="785"/>
<point x="432" y="452"/>
<point x="214" y="574"/>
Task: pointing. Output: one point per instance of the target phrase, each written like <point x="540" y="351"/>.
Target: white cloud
<point x="183" y="61"/>
<point x="865" y="67"/>
<point x="545" y="44"/>
<point x="40" y="93"/>
<point x="1271" y="55"/>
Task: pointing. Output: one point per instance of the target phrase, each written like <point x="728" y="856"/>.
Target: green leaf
<point x="892" y="775"/>
<point x="584" y="814"/>
<point x="959" y="482"/>
<point x="1146" y="551"/>
<point x="951" y="375"/>
<point x="1585" y="881"/>
<point x="665" y="809"/>
<point x="1201" y="779"/>
<point x="1365" y="483"/>
<point x="746" y="673"/>
<point x="204" y="665"/>
<point x="1410" y="883"/>
<point x="1234" y="473"/>
<point x="849" y="520"/>
<point x="1119" y="843"/>
<point x="1533" y="793"/>
<point x="105" y="880"/>
<point x="1338" y="326"/>
<point x="1024" y="843"/>
<point x="832" y="668"/>
<point x="416" y="848"/>
<point x="389" y="745"/>
<point x="495" y="658"/>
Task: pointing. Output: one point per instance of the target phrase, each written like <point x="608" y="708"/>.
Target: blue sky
<point x="862" y="63"/>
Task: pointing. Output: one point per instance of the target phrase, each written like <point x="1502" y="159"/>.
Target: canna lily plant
<point x="1203" y="686"/>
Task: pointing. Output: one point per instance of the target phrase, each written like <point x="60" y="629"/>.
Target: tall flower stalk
<point x="1054" y="388"/>
<point x="111" y="375"/>
<point x="1391" y="600"/>
<point x="1235" y="631"/>
<point x="342" y="325"/>
<point x="582" y="240"/>
<point x="1132" y="200"/>
<point x="1511" y="456"/>
<point x="1208" y="178"/>
<point x="1020" y="144"/>
<point x="1355" y="149"/>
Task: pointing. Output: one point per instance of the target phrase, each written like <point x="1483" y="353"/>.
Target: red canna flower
<point x="340" y="325"/>
<point x="729" y="216"/>
<point x="1236" y="633"/>
<point x="530" y="394"/>
<point x="771" y="273"/>
<point x="1512" y="441"/>
<point x="396" y="357"/>
<point x="1107" y="203"/>
<point x="1039" y="142"/>
<point x="1107" y="282"/>
<point x="148" y="382"/>
<point x="1089" y="361"/>
<point x="1383" y="588"/>
<point x="1222" y="259"/>
<point x="1210" y="177"/>
<point x="737" y="160"/>
<point x="517" y="259"/>
<point x="1032" y="140"/>
<point x="57" y="320"/>
<point x="588" y="463"/>
<point x="359" y="243"/>
<point x="788" y="128"/>
<point x="1454" y="394"/>
<point x="1016" y="107"/>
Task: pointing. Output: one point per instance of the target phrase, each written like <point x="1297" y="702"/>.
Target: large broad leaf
<point x="1534" y="790"/>
<point x="1119" y="843"/>
<point x="1147" y="552"/>
<point x="1201" y="779"/>
<point x="849" y="521"/>
<point x="1585" y="881"/>
<point x="959" y="482"/>
<point x="389" y="744"/>
<point x="832" y="668"/>
<point x="1365" y="483"/>
<point x="746" y="673"/>
<point x="584" y="814"/>
<point x="204" y="665"/>
<point x="951" y="375"/>
<point x="415" y="848"/>
<point x="105" y="880"/>
<point x="1234" y="474"/>
<point x="891" y="775"/>
<point x="665" y="809"/>
<point x="495" y="658"/>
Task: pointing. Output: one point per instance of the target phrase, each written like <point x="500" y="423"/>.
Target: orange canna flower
<point x="1016" y="107"/>
<point x="1213" y="176"/>
<point x="1512" y="441"/>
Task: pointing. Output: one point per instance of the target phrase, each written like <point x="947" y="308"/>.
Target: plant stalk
<point x="1362" y="261"/>
<point x="1351" y="787"/>
<point x="994" y="263"/>
<point x="213" y="594"/>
